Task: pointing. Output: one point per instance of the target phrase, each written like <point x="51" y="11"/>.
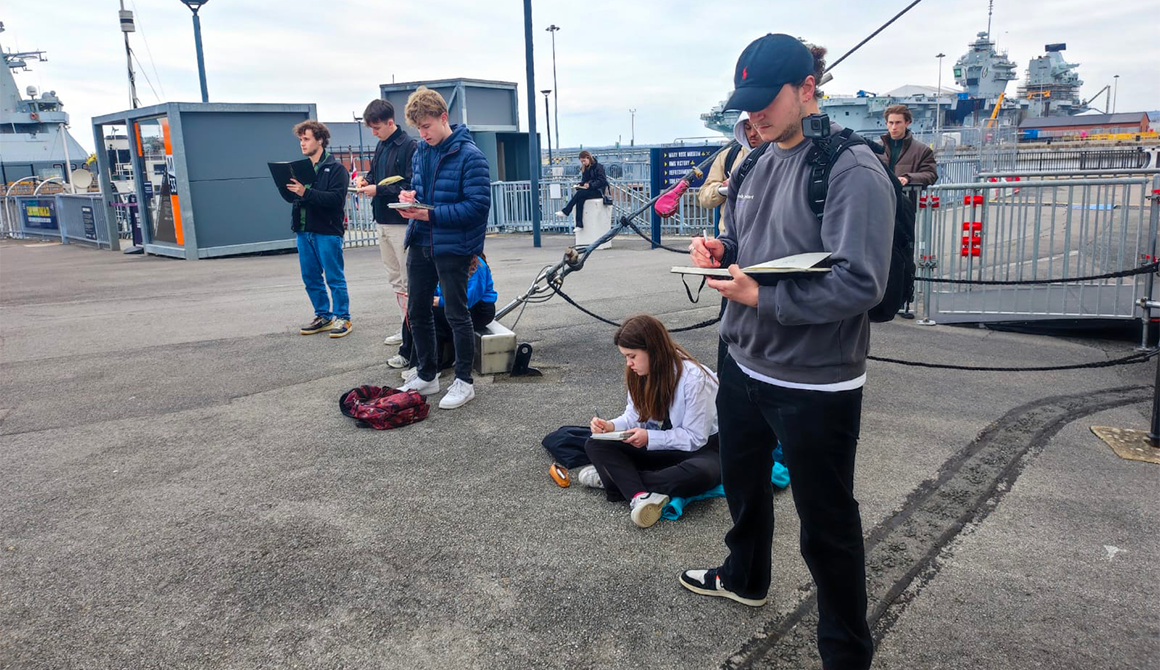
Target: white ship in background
<point x="981" y="75"/>
<point x="33" y="136"/>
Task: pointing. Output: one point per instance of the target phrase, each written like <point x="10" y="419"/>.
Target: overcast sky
<point x="671" y="60"/>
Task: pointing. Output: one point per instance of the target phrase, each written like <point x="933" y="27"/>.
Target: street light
<point x="632" y="138"/>
<point x="1115" y="91"/>
<point x="552" y="29"/>
<point x="548" y="119"/>
<point x="938" y="100"/>
<point x="195" y="5"/>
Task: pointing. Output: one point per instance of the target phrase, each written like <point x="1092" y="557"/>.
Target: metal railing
<point x="1036" y="230"/>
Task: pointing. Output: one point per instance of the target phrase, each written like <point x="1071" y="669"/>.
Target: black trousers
<point x="578" y="197"/>
<point x="482" y="313"/>
<point x="819" y="436"/>
<point x="425" y="271"/>
<point x="627" y="470"/>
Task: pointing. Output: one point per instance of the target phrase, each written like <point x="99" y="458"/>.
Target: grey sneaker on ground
<point x="397" y="362"/>
<point x="647" y="508"/>
<point x="421" y="387"/>
<point x="588" y="476"/>
<point x="409" y="374"/>
<point x="458" y="394"/>
<point x="707" y="583"/>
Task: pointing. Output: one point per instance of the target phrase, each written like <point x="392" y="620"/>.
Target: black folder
<point x="282" y="173"/>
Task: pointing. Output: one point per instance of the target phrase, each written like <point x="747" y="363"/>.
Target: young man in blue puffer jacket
<point x="451" y="174"/>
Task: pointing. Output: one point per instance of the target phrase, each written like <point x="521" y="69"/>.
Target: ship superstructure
<point x="33" y="131"/>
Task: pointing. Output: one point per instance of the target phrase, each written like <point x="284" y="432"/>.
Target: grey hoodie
<point x="813" y="330"/>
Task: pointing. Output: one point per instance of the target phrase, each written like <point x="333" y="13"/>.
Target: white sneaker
<point x="397" y="362"/>
<point x="588" y="476"/>
<point x="409" y="374"/>
<point x="647" y="508"/>
<point x="397" y="338"/>
<point x="417" y="384"/>
<point x="457" y="394"/>
<point x="561" y="214"/>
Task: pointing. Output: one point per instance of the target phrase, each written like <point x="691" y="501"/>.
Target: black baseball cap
<point x="767" y="64"/>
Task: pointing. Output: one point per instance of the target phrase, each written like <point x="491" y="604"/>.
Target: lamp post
<point x="1115" y="91"/>
<point x="632" y="137"/>
<point x="552" y="29"/>
<point x="534" y="158"/>
<point x="195" y="5"/>
<point x="938" y="99"/>
<point x="548" y="120"/>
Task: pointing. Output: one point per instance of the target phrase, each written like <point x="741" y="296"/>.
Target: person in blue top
<point x="481" y="297"/>
<point x="452" y="178"/>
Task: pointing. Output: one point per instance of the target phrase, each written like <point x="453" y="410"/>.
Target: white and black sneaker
<point x="588" y="476"/>
<point x="647" y="508"/>
<point x="708" y="583"/>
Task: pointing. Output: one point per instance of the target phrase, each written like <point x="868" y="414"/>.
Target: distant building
<point x="1084" y="125"/>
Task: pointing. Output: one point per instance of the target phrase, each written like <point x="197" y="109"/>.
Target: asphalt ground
<point x="178" y="488"/>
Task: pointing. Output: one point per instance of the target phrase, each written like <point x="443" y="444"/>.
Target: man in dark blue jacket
<point x="451" y="175"/>
<point x="317" y="220"/>
<point x="392" y="160"/>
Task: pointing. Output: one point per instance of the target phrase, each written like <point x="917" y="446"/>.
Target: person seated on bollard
<point x="481" y="297"/>
<point x="591" y="187"/>
<point x="669" y="445"/>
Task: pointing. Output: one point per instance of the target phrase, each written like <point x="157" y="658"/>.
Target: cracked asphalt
<point x="179" y="489"/>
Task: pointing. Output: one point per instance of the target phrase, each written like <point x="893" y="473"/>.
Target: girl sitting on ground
<point x="670" y="448"/>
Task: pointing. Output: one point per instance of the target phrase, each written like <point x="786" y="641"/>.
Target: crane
<point x="995" y="113"/>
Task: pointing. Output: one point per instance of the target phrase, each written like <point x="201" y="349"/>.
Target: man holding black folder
<point x="390" y="174"/>
<point x="317" y="220"/>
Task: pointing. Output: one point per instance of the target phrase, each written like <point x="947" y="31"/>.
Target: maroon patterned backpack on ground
<point x="383" y="408"/>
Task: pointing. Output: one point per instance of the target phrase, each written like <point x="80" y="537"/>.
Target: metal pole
<point x="200" y="57"/>
<point x="533" y="139"/>
<point x="548" y="120"/>
<point x="926" y="250"/>
<point x="555" y="86"/>
<point x="361" y="149"/>
<point x="1150" y="278"/>
<point x="1154" y="432"/>
<point x="1116" y="92"/>
<point x="632" y="138"/>
<point x="938" y="99"/>
<point x="67" y="164"/>
<point x="127" y="27"/>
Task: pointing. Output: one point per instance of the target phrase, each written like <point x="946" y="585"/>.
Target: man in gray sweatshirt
<point x="797" y="348"/>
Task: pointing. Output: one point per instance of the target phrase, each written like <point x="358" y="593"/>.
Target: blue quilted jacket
<point x="454" y="177"/>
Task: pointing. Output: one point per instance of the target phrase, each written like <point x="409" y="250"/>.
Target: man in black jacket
<point x="392" y="159"/>
<point x="317" y="220"/>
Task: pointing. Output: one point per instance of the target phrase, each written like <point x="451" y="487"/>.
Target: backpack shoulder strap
<point x="748" y="163"/>
<point x="730" y="159"/>
<point x="822" y="158"/>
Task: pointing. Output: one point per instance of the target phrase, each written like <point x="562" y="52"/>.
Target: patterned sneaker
<point x="588" y="476"/>
<point x="647" y="508"/>
<point x="342" y="328"/>
<point x="457" y="395"/>
<point x="708" y="583"/>
<point x="397" y="362"/>
<point x="319" y="324"/>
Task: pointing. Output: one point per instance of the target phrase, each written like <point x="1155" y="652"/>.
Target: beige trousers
<point x="395" y="261"/>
